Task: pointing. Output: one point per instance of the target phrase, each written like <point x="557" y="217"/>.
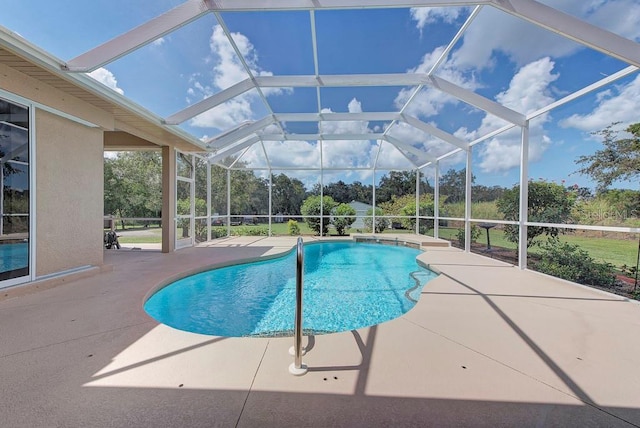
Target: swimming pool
<point x="346" y="286"/>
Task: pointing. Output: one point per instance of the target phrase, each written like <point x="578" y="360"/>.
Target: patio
<point x="487" y="345"/>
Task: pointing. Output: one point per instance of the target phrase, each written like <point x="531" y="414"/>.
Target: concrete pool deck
<point x="486" y="345"/>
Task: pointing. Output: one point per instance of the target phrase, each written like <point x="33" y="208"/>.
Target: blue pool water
<point x="14" y="256"/>
<point x="346" y="286"/>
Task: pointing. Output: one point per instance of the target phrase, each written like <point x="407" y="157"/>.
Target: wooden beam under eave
<point x="123" y="141"/>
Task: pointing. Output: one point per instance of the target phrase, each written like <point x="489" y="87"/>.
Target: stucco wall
<point x="69" y="194"/>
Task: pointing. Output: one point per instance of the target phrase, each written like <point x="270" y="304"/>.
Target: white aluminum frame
<point x="240" y="139"/>
<point x="23" y="102"/>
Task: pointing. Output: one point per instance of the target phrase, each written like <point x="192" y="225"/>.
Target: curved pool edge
<point x="417" y="240"/>
<point x="200" y="269"/>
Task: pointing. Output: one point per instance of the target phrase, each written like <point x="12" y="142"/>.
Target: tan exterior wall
<point x="69" y="194"/>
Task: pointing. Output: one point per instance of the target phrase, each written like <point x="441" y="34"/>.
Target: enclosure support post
<point x="373" y="213"/>
<point x="228" y="202"/>
<point x="524" y="197"/>
<point x="270" y="198"/>
<point x="168" y="199"/>
<point x="635" y="284"/>
<point x="298" y="368"/>
<point x="467" y="204"/>
<point x="321" y="202"/>
<point x="436" y="202"/>
<point x="417" y="201"/>
<point x="208" y="200"/>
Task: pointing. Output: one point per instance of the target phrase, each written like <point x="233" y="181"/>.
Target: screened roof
<point x="360" y="84"/>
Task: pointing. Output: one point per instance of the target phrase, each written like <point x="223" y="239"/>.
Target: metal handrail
<point x="298" y="368"/>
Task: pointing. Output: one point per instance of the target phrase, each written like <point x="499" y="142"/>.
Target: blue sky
<point x="499" y="57"/>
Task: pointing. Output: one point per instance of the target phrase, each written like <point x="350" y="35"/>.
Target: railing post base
<point x="301" y="371"/>
<point x="292" y="351"/>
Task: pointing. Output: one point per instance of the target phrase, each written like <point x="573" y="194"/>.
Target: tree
<point x="248" y="193"/>
<point x="339" y="191"/>
<point x="618" y="160"/>
<point x="218" y="190"/>
<point x="345" y="216"/>
<point x="133" y="184"/>
<point x="399" y="183"/>
<point x="361" y="193"/>
<point x="311" y="208"/>
<point x="548" y="203"/>
<point x="287" y="195"/>
<point x="452" y="185"/>
<point x="483" y="193"/>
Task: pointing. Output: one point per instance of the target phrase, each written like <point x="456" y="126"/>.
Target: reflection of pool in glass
<point x="346" y="286"/>
<point x="14" y="256"/>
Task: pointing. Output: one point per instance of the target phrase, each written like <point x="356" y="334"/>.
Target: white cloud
<point x="228" y="70"/>
<point x="390" y="157"/>
<point x="430" y="101"/>
<point x="429" y="15"/>
<point x="158" y="42"/>
<point x="528" y="91"/>
<point x="226" y="115"/>
<point x="493" y="31"/>
<point x="283" y="154"/>
<point x="620" y="103"/>
<point x="107" y="78"/>
<point x="346" y="126"/>
<point x="502" y="153"/>
<point x="346" y="153"/>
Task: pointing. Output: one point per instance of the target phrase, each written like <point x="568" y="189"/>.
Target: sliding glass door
<point x="15" y="196"/>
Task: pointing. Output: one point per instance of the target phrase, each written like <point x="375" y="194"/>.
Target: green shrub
<point x="475" y="234"/>
<point x="345" y="217"/>
<point x="218" y="232"/>
<point x="294" y="229"/>
<point x="570" y="262"/>
<point x="250" y="231"/>
<point x="381" y="223"/>
<point x="311" y="207"/>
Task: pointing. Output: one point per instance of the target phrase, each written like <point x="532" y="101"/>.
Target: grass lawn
<point x="615" y="251"/>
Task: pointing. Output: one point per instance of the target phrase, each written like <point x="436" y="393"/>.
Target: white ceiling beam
<point x="261" y="5"/>
<point x="573" y="28"/>
<point x="491" y="134"/>
<point x="240" y="133"/>
<point x="329" y="117"/>
<point x="209" y="102"/>
<point x="478" y="101"/>
<point x="365" y="116"/>
<point x="446" y="155"/>
<point x="324" y="137"/>
<point x="402" y="146"/>
<point x="343" y="80"/>
<point x="300" y="81"/>
<point x="230" y="150"/>
<point x="138" y="37"/>
<point x="438" y="133"/>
